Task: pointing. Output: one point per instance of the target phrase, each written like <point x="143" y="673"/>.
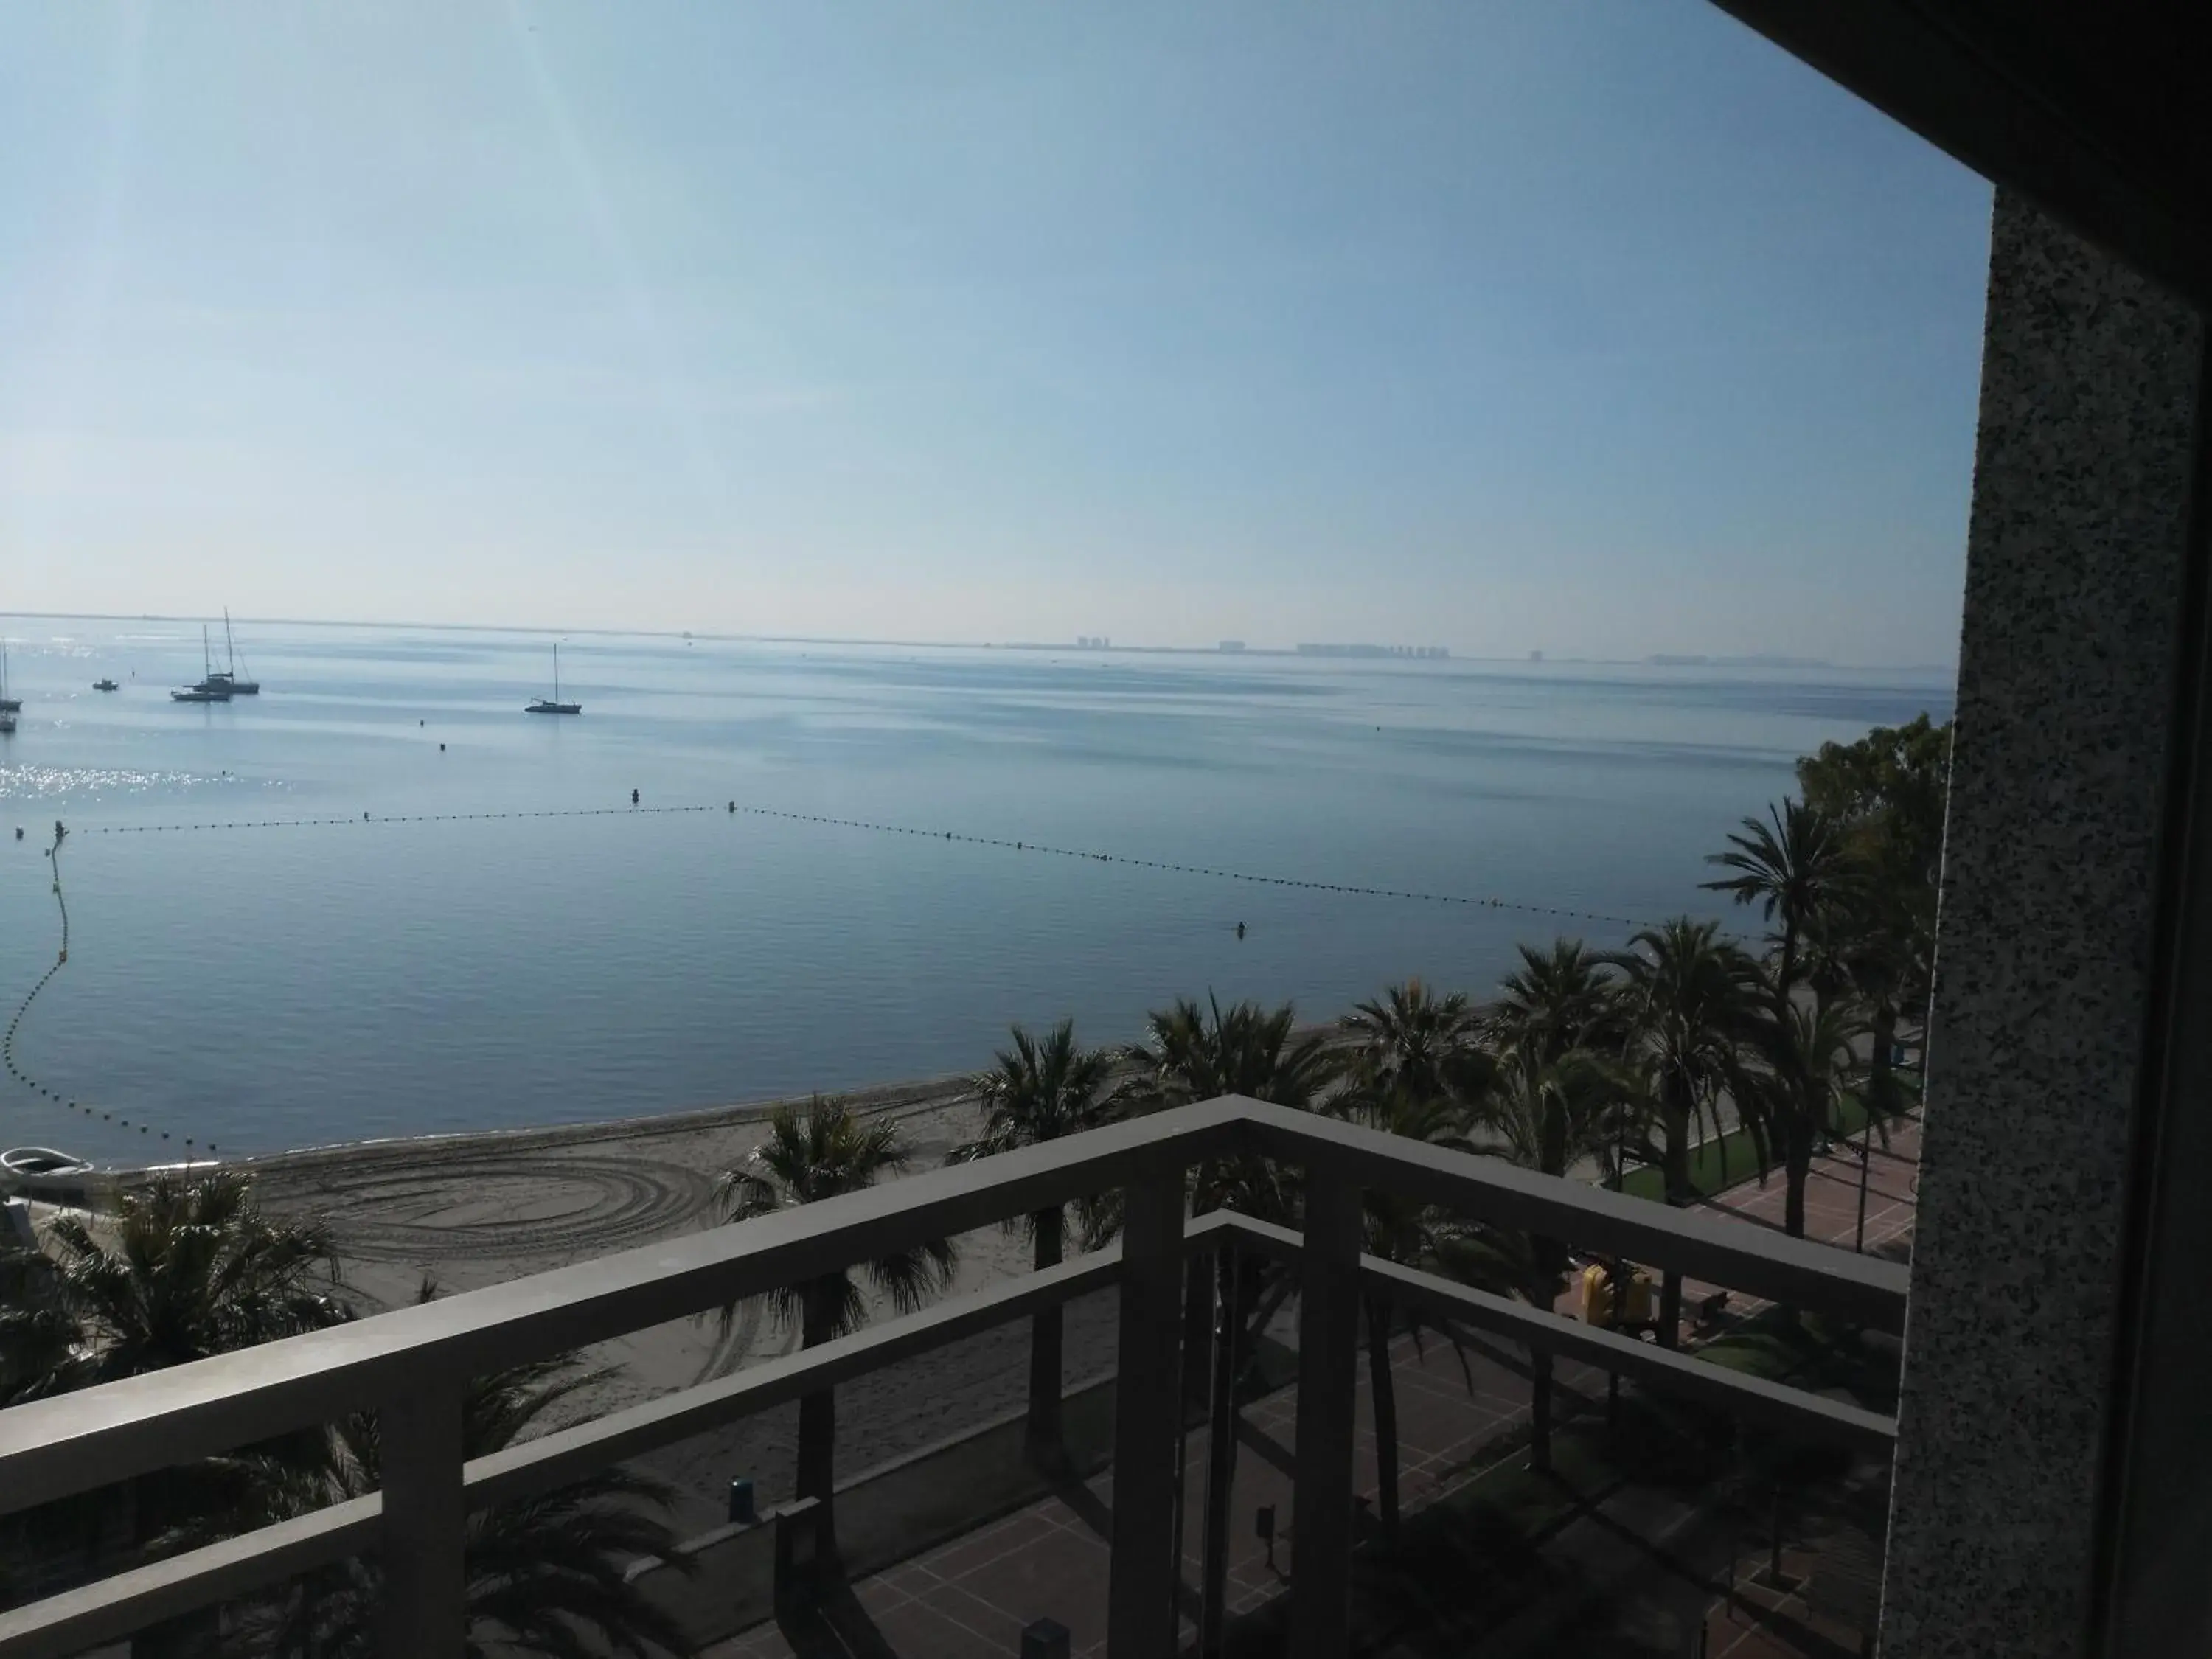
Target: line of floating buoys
<point x="14" y="1024"/>
<point x="731" y="808"/>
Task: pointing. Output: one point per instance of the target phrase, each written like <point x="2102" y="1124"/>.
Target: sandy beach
<point x="470" y="1210"/>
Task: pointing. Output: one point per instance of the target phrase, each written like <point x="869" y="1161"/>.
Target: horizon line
<point x="1654" y="659"/>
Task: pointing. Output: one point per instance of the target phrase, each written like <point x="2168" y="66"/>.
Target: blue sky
<point x="1595" y="327"/>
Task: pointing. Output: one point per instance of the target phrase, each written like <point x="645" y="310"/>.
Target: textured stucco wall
<point x="2073" y="583"/>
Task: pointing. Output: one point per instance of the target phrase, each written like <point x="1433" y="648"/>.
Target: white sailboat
<point x="553" y="705"/>
<point x="210" y="689"/>
<point x="226" y="680"/>
<point x="9" y="707"/>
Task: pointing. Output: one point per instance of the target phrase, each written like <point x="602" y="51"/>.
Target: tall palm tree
<point x="1428" y="1045"/>
<point x="1040" y="1089"/>
<point x="1192" y="1052"/>
<point x="1685" y="1000"/>
<point x="1861" y="949"/>
<point x="1546" y="1114"/>
<point x="1399" y="1230"/>
<point x="1795" y="868"/>
<point x="1808" y="1051"/>
<point x="1196" y="1052"/>
<point x="825" y="1152"/>
<point x="545" y="1575"/>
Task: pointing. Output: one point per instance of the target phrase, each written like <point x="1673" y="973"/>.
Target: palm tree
<point x="545" y="1575"/>
<point x="1793" y="871"/>
<point x="1556" y="1001"/>
<point x="38" y="1334"/>
<point x="1547" y="1114"/>
<point x="1398" y="1230"/>
<point x="193" y="1268"/>
<point x="190" y="1268"/>
<point x="1810" y="1055"/>
<point x="1192" y="1052"/>
<point x="1195" y="1053"/>
<point x="1429" y="1047"/>
<point x="1039" y="1091"/>
<point x="1862" y="948"/>
<point x="825" y="1152"/>
<point x="1684" y="1002"/>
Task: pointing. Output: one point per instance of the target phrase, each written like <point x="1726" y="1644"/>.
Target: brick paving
<point x="974" y="1596"/>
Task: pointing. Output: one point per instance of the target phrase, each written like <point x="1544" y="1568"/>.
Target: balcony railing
<point x="413" y="1366"/>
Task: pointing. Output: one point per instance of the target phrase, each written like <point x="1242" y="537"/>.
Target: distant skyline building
<point x="1427" y="653"/>
<point x="1232" y="645"/>
<point x="1093" y="642"/>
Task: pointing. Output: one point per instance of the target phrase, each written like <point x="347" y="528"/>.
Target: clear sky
<point x="1596" y="326"/>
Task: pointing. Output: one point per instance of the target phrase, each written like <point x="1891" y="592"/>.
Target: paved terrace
<point x="973" y="1597"/>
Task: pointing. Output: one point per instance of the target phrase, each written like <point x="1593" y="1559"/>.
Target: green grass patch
<point x="1733" y="1158"/>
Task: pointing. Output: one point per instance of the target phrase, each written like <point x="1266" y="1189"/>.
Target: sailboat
<point x="226" y="680"/>
<point x="210" y="689"/>
<point x="553" y="705"/>
<point x="9" y="707"/>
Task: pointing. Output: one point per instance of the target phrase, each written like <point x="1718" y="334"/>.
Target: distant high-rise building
<point x="1232" y="645"/>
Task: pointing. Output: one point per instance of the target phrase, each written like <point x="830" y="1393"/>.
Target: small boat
<point x="212" y="687"/>
<point x="41" y="1172"/>
<point x="7" y="705"/>
<point x="553" y="705"/>
<point x="106" y="685"/>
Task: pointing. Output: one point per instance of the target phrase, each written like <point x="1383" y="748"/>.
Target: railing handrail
<point x="94" y="1436"/>
<point x="55" y="1447"/>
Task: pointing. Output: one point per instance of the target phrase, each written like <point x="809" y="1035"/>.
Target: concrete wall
<point x="2066" y="679"/>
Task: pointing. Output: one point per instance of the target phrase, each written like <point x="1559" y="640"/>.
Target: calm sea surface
<point x="263" y="988"/>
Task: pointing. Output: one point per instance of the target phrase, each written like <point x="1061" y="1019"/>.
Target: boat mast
<point x="229" y="650"/>
<point x="207" y="662"/>
<point x="556" y="671"/>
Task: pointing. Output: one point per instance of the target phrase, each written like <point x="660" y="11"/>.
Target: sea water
<point x="455" y="919"/>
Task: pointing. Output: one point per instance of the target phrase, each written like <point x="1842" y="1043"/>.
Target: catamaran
<point x="210" y="688"/>
<point x="553" y="705"/>
<point x="226" y="680"/>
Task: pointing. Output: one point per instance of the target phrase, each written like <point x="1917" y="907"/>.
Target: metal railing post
<point x="1329" y="1378"/>
<point x="424" y="1527"/>
<point x="1140" y="1608"/>
<point x="1221" y="1454"/>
